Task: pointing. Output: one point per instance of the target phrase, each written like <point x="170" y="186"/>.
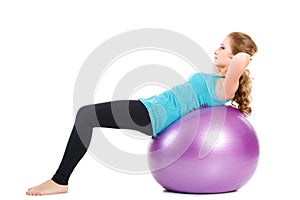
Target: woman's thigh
<point x="124" y="114"/>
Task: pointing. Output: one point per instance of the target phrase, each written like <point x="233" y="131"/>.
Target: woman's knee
<point x="86" y="114"/>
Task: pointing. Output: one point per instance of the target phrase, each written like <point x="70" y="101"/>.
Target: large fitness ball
<point x="210" y="150"/>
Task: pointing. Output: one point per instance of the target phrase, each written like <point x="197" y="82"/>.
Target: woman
<point x="231" y="82"/>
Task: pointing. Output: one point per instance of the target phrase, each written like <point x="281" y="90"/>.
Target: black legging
<point x="125" y="114"/>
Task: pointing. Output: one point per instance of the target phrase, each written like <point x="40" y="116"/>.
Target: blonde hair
<point x="241" y="42"/>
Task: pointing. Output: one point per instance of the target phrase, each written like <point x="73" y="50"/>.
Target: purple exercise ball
<point x="210" y="150"/>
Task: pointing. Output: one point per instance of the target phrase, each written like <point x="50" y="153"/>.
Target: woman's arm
<point x="237" y="67"/>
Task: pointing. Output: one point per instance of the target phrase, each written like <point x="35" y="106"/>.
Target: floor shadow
<point x="186" y="193"/>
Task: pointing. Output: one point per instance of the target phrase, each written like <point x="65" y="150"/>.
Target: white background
<point x="43" y="46"/>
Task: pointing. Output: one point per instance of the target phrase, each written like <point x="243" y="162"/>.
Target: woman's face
<point x="223" y="54"/>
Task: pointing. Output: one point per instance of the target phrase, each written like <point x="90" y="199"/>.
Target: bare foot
<point x="48" y="187"/>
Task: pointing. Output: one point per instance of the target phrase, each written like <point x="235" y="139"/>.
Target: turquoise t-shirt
<point x="198" y="92"/>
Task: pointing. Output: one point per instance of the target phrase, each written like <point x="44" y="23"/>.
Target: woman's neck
<point x="222" y="71"/>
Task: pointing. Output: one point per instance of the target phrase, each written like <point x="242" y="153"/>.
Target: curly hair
<point x="241" y="42"/>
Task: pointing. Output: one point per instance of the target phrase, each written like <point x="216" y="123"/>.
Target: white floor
<point x="274" y="177"/>
<point x="94" y="181"/>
